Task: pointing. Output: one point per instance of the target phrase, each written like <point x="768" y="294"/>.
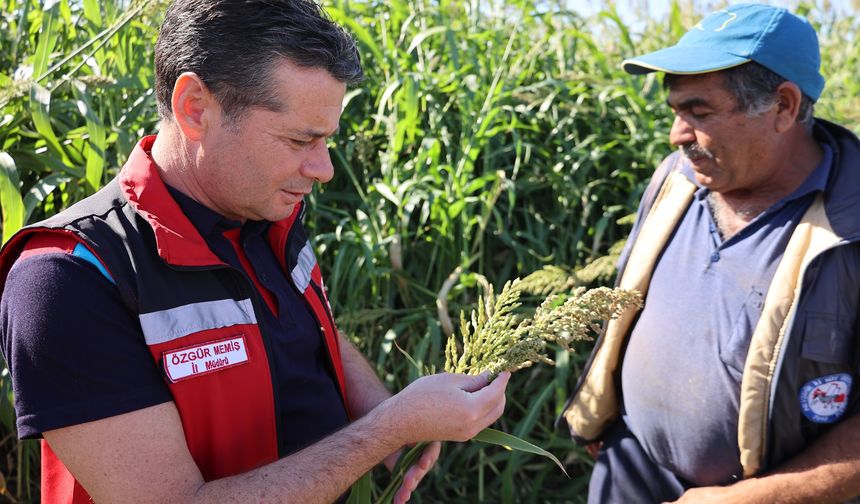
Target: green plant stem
<point x="110" y="32"/>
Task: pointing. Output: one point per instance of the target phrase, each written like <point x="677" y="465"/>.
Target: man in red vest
<point x="170" y="337"/>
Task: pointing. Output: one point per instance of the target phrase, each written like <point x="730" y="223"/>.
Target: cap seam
<point x="767" y="31"/>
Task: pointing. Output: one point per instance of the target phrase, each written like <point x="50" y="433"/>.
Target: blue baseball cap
<point x="773" y="37"/>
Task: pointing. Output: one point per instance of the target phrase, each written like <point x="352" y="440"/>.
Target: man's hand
<point x="706" y="495"/>
<point x="366" y="392"/>
<point x="447" y="407"/>
<point x="828" y="471"/>
<point x="452" y="407"/>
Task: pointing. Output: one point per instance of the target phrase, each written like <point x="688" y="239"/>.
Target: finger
<point x="417" y="472"/>
<point x="476" y="382"/>
<point x="496" y="390"/>
<point x="430" y="455"/>
<point x="402" y="496"/>
<point x="502" y="379"/>
<point x="391" y="460"/>
<point x="497" y="387"/>
<point x="414" y="476"/>
<point x="496" y="411"/>
<point x="593" y="449"/>
<point x="411" y="478"/>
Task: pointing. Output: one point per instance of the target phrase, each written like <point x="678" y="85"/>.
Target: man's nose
<point x="682" y="132"/>
<point x="318" y="165"/>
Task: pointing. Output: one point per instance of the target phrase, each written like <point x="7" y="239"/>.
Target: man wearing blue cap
<point x="735" y="382"/>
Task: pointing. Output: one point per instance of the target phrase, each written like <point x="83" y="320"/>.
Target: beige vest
<point x="595" y="405"/>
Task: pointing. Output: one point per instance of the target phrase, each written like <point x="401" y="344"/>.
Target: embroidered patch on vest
<point x="825" y="399"/>
<point x="206" y="358"/>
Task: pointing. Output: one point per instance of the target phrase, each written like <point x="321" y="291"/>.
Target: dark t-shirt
<point x="77" y="354"/>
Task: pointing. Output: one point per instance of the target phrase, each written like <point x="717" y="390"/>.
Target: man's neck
<point x="792" y="165"/>
<point x="172" y="157"/>
<point x="176" y="160"/>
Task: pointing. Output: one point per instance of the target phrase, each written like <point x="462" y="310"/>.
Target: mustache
<point x="695" y="151"/>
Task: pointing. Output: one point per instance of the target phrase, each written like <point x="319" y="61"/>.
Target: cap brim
<point x="683" y="60"/>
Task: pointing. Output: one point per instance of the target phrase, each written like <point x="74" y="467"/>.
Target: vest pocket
<point x="733" y="350"/>
<point x="826" y="337"/>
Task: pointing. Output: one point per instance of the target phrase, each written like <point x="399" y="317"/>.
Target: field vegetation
<point x="490" y="139"/>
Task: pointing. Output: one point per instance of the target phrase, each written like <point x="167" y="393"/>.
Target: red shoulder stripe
<point x="45" y="243"/>
<point x="35" y="241"/>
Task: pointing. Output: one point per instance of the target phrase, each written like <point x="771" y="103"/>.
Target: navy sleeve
<point x="74" y="351"/>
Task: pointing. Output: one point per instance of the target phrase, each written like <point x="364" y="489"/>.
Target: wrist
<point x="387" y="422"/>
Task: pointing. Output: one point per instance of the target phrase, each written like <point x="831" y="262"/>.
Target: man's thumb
<point x="473" y="383"/>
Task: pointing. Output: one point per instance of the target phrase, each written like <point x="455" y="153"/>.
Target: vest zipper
<point x="246" y="287"/>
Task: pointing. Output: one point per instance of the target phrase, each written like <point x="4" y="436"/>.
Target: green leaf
<point x="350" y="95"/>
<point x="455" y="208"/>
<point x="40" y="103"/>
<point x="40" y="191"/>
<point x="93" y="13"/>
<point x="386" y="96"/>
<point x="523" y="428"/>
<point x="387" y="193"/>
<point x="95" y="148"/>
<point x="511" y="442"/>
<point x="486" y="121"/>
<point x="408" y="357"/>
<point x="47" y="39"/>
<point x="10" y="197"/>
<point x="360" y="493"/>
<point x="421" y="37"/>
<point x="66" y="18"/>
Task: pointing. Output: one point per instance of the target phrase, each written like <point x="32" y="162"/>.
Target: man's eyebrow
<point x="688" y="103"/>
<point x="316" y="133"/>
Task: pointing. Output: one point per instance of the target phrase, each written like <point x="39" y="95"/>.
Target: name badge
<point x="205" y="358"/>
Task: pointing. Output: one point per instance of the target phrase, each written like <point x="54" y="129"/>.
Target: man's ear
<point x="788" y="99"/>
<point x="195" y="108"/>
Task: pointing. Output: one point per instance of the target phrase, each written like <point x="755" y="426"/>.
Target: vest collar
<point x="177" y="240"/>
<point x="841" y="197"/>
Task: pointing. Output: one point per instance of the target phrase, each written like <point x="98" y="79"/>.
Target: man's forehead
<point x="702" y="80"/>
<point x="707" y="87"/>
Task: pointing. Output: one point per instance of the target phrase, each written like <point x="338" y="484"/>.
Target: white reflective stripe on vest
<point x="304" y="266"/>
<point x="167" y="325"/>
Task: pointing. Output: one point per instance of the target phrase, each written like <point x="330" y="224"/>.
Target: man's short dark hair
<point x="234" y="45"/>
<point x="754" y="88"/>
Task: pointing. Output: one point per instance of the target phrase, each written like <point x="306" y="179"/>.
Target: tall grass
<point x="490" y="138"/>
<point x="75" y="94"/>
<point x="494" y="141"/>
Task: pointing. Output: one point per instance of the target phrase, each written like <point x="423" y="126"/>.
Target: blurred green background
<point x="491" y="138"/>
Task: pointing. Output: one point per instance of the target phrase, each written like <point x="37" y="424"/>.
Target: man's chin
<point x="281" y="212"/>
<point x="705" y="180"/>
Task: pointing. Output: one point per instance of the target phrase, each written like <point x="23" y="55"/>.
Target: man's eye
<point x="300" y="143"/>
